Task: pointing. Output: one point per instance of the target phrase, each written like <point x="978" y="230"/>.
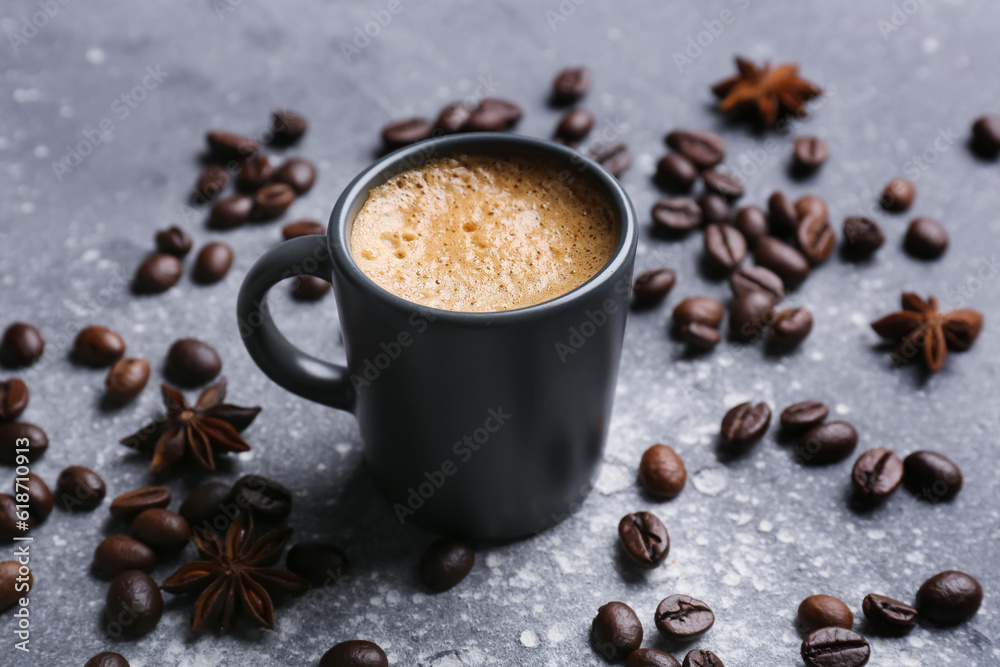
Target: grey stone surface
<point x="751" y="536"/>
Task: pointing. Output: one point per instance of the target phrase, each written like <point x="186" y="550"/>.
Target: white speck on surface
<point x="95" y="56"/>
<point x="27" y="207"/>
<point x="41" y="151"/>
<point x="842" y="409"/>
<point x="66" y="111"/>
<point x="930" y="45"/>
<point x="529" y="639"/>
<point x="90" y="255"/>
<point x="22" y="95"/>
<point x="710" y="481"/>
<point x="785" y="536"/>
<point x="765" y="526"/>
<point x="816" y="355"/>
<point x="875" y="534"/>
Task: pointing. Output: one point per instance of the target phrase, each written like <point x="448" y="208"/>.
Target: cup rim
<point x="414" y="155"/>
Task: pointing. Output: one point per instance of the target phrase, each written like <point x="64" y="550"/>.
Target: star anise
<point x="236" y="575"/>
<point x="919" y="326"/>
<point x="766" y="93"/>
<point x="200" y="430"/>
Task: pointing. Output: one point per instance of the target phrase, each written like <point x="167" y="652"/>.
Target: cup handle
<point x="290" y="367"/>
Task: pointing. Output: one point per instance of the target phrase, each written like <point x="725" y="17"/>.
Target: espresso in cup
<point x="476" y="233"/>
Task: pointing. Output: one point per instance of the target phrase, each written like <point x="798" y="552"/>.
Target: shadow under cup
<point x="488" y="425"/>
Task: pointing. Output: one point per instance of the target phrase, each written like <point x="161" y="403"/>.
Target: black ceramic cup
<point x="488" y="425"/>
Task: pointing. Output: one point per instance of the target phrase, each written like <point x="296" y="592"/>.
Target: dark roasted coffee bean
<point x="676" y="214"/>
<point x="810" y="153"/>
<point x="12" y="432"/>
<point x="888" y="616"/>
<point x="700" y="309"/>
<point x="931" y="476"/>
<point x="714" y="208"/>
<point x="662" y="473"/>
<point x="11" y="574"/>
<point x="131" y="504"/>
<point x="725" y="246"/>
<point x="723" y="184"/>
<point x="309" y="288"/>
<point x="827" y="443"/>
<point x="80" y="489"/>
<point x="230" y="212"/>
<point x="790" y="265"/>
<point x="355" y="653"/>
<point x="509" y="111"/>
<point x="22" y="345"/>
<point x="816" y="238"/>
<point x="616" y="158"/>
<point x="191" y="362"/>
<point x="676" y="173"/>
<point x="705" y="149"/>
<point x="318" y="563"/>
<point x="653" y="285"/>
<point x="204" y="505"/>
<point x="226" y="146"/>
<point x="782" y="215"/>
<point x="446" y="563"/>
<point x="294" y="230"/>
<point x="212" y="180"/>
<point x="126" y="379"/>
<point x="273" y="200"/>
<point x="213" y="262"/>
<point x="682" y="617"/>
<point x="488" y="119"/>
<point x="266" y="498"/>
<point x="161" y="529"/>
<point x="925" y="238"/>
<point x="616" y="631"/>
<point x="835" y="647"/>
<point x="40" y="500"/>
<point x="745" y="424"/>
<point x="700" y="336"/>
<point x="575" y="125"/>
<point x="804" y="414"/>
<point x="752" y="222"/>
<point x="650" y="657"/>
<point x="898" y="195"/>
<point x="98" y="346"/>
<point x="133" y="605"/>
<point x="254" y="173"/>
<point x="120" y="553"/>
<point x="824" y="611"/>
<point x="14" y="396"/>
<point x="749" y="315"/>
<point x="571" y="85"/>
<point x="949" y="598"/>
<point x="12" y="523"/>
<point x="701" y="658"/>
<point x="297" y="173"/>
<point x="158" y="273"/>
<point x="863" y="236"/>
<point x="644" y="538"/>
<point x="454" y="118"/>
<point x="287" y="127"/>
<point x="790" y="326"/>
<point x="808" y="205"/>
<point x="877" y="474"/>
<point x="174" y="241"/>
<point x="757" y="279"/>
<point x="107" y="659"/>
<point x="986" y="136"/>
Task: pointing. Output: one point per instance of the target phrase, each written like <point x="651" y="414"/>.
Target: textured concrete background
<point x="752" y="536"/>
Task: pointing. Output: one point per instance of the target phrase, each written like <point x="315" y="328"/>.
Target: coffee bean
<point x="925" y="238"/>
<point x="161" y="529"/>
<point x="616" y="158"/>
<point x="676" y="173"/>
<point x="827" y="443"/>
<point x="355" y="653"/>
<point x="749" y="315"/>
<point x="804" y="414"/>
<point x="662" y="473"/>
<point x="265" y="498"/>
<point x="898" y="195"/>
<point x="783" y="217"/>
<point x="653" y="285"/>
<point x="751" y="221"/>
<point x="174" y="241"/>
<point x="676" y="214"/>
<point x="40" y="500"/>
<point x="488" y="119"/>
<point x="133" y="605"/>
<point x="131" y="504"/>
<point x="790" y="327"/>
<point x="700" y="309"/>
<point x="10" y="576"/>
<point x="126" y="379"/>
<point x="700" y="336"/>
<point x="809" y="154"/>
<point x="107" y="659"/>
<point x="616" y="631"/>
<point x="212" y="180"/>
<point x="273" y="200"/>
<point x="807" y="205"/>
<point x="12" y="432"/>
<point x="745" y="424"/>
<point x="650" y="657"/>
<point x="294" y="230"/>
<point x="705" y="149"/>
<point x="11" y="522"/>
<point x="575" y="125"/>
<point x="790" y="265"/>
<point x="644" y="538"/>
<point x="227" y="146"/>
<point x="824" y="611"/>
<point x="98" y="346"/>
<point x="309" y="288"/>
<point x="701" y="658"/>
<point x="571" y="85"/>
<point x="863" y="236"/>
<point x="120" y="553"/>
<point x="757" y="279"/>
<point x="714" y="208"/>
<point x="230" y="212"/>
<point x="287" y="127"/>
<point x="682" y="617"/>
<point x="22" y="345"/>
<point x="949" y="598"/>
<point x="213" y="262"/>
<point x="454" y="118"/>
<point x="445" y="563"/>
<point x="931" y="476"/>
<point x="318" y="563"/>
<point x="204" y="504"/>
<point x="254" y="174"/>
<point x="725" y="246"/>
<point x="723" y="184"/>
<point x="157" y="273"/>
<point x="877" y="474"/>
<point x="80" y="489"/>
<point x="835" y="647"/>
<point x="297" y="173"/>
<point x="888" y="616"/>
<point x="816" y="238"/>
<point x="986" y="136"/>
<point x="14" y="396"/>
<point x="191" y="362"/>
<point x="509" y="111"/>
